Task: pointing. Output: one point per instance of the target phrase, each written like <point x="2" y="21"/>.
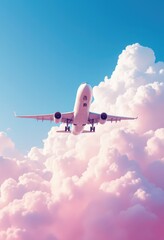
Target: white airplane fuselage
<point x="81" y="108"/>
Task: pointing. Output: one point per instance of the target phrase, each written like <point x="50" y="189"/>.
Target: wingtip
<point x="15" y="115"/>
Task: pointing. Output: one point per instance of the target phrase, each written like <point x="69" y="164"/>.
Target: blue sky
<point x="47" y="48"/>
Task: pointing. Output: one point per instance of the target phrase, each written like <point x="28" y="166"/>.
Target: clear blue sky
<point x="48" y="47"/>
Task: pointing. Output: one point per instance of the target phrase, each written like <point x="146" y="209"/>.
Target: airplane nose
<point x="85" y="89"/>
<point x="87" y="86"/>
<point x="84" y="83"/>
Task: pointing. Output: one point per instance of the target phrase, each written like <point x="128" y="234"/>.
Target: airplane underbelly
<point x="81" y="110"/>
<point x="77" y="129"/>
<point x="80" y="120"/>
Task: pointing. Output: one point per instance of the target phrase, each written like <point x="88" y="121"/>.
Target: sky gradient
<point x="47" y="48"/>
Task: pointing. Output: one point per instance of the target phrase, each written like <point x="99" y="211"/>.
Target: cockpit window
<point x="84" y="98"/>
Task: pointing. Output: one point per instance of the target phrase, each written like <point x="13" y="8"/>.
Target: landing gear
<point x="92" y="129"/>
<point x="67" y="127"/>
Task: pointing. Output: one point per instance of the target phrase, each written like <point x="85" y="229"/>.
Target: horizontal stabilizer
<point x="87" y="131"/>
<point x="62" y="131"/>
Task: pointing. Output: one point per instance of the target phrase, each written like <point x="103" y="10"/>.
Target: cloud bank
<point x="107" y="185"/>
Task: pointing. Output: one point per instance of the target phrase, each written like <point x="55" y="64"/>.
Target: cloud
<point x="107" y="185"/>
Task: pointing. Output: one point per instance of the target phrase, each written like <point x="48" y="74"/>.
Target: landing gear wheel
<point x="92" y="129"/>
<point x="67" y="129"/>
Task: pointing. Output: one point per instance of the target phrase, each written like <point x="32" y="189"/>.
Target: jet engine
<point x="57" y="117"/>
<point x="103" y="118"/>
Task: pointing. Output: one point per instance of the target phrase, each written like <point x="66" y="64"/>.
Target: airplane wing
<point x="49" y="117"/>
<point x="65" y="117"/>
<point x="96" y="118"/>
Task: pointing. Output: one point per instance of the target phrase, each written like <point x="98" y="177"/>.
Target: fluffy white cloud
<point x="94" y="186"/>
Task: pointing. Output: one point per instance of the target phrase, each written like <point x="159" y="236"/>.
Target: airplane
<point x="81" y="115"/>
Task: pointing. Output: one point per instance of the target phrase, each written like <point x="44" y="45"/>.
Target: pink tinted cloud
<point x="107" y="185"/>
